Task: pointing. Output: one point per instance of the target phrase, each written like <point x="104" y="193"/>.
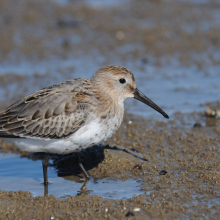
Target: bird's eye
<point x="122" y="81"/>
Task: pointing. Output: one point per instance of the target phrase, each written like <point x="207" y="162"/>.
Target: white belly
<point x="88" y="135"/>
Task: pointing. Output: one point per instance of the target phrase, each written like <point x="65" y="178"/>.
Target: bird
<point x="72" y="115"/>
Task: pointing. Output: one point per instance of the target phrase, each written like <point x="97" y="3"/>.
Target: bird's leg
<point x="46" y="191"/>
<point x="81" y="165"/>
<point x="45" y="163"/>
<point x="83" y="188"/>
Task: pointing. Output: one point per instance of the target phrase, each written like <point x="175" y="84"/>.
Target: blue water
<point x="18" y="173"/>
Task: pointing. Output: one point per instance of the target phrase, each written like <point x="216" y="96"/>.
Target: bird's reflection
<point x="83" y="189"/>
<point x="68" y="168"/>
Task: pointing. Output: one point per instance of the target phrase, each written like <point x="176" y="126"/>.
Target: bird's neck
<point x="109" y="100"/>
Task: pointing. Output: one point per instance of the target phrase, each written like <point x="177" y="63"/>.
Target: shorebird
<point x="72" y="115"/>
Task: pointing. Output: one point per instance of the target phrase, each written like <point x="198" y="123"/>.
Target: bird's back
<point x="54" y="112"/>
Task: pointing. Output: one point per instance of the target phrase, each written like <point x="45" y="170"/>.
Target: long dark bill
<point x="141" y="97"/>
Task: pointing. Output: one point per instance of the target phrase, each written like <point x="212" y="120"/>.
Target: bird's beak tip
<point x="166" y="116"/>
<point x="141" y="97"/>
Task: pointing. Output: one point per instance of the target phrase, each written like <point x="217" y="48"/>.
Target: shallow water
<point x="18" y="173"/>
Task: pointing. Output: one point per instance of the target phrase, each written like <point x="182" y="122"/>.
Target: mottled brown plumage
<point x="53" y="112"/>
<point x="72" y="115"/>
<point x="60" y="110"/>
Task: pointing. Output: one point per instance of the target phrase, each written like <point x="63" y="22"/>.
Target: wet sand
<point x="179" y="179"/>
<point x="176" y="162"/>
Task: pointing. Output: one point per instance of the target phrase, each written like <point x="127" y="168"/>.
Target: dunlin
<point x="72" y="115"/>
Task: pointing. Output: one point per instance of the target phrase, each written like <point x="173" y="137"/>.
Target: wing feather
<point x="54" y="112"/>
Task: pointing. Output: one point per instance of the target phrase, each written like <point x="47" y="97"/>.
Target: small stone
<point x="197" y="125"/>
<point x="138" y="167"/>
<point x="129" y="213"/>
<point x="163" y="172"/>
<point x="135" y="150"/>
<point x="120" y="35"/>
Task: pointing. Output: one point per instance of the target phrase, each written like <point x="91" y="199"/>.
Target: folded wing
<point x="54" y="112"/>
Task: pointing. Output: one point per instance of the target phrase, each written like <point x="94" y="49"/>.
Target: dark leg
<point x="81" y="165"/>
<point x="45" y="163"/>
<point x="46" y="191"/>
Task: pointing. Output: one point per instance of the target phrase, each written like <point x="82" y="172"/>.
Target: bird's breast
<point x="97" y="130"/>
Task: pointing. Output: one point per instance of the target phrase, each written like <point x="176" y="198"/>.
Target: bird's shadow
<point x="67" y="166"/>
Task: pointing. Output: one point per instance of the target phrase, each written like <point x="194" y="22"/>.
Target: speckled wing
<point x="54" y="112"/>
